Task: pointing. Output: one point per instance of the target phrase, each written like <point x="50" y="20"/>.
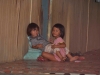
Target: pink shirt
<point x="62" y="50"/>
<point x="58" y="40"/>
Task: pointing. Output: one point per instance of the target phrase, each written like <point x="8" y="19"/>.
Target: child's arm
<point x="60" y="45"/>
<point x="51" y="41"/>
<point x="37" y="46"/>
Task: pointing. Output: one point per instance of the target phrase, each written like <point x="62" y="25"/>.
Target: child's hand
<point x="51" y="40"/>
<point x="39" y="45"/>
<point x="53" y="46"/>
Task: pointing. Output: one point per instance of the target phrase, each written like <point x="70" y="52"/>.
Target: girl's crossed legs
<point x="49" y="56"/>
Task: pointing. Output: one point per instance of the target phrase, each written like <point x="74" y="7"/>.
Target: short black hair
<point x="61" y="28"/>
<point x="30" y="27"/>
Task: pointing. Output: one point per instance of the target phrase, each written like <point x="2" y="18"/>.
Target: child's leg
<point x="67" y="50"/>
<point x="69" y="55"/>
<point x="48" y="49"/>
<point x="72" y="58"/>
<point x="49" y="56"/>
<point x="57" y="51"/>
<point x="59" y="55"/>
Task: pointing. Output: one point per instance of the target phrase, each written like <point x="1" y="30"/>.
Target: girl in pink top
<point x="58" y="31"/>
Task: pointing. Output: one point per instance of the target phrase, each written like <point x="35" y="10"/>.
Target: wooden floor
<point x="91" y="65"/>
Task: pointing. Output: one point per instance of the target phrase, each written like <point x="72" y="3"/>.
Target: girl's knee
<point x="43" y="53"/>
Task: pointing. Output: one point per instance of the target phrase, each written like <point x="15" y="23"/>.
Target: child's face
<point x="56" y="32"/>
<point x="35" y="32"/>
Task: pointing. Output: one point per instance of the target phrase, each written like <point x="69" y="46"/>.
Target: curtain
<point x="81" y="21"/>
<point x="15" y="15"/>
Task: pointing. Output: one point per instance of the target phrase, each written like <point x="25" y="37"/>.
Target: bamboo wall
<point x="15" y="15"/>
<point x="81" y="19"/>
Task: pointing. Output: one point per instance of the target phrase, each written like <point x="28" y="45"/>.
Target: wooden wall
<point x="81" y="19"/>
<point x="15" y="15"/>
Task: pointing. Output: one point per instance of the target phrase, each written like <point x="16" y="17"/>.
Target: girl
<point x="58" y="32"/>
<point x="37" y="41"/>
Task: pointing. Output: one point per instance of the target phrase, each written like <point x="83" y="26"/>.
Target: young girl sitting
<point x="58" y="31"/>
<point x="54" y="52"/>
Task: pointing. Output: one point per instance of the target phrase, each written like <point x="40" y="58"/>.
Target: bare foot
<point x="74" y="58"/>
<point x="81" y="58"/>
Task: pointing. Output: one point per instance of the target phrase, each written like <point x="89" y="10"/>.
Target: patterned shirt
<point x="39" y="40"/>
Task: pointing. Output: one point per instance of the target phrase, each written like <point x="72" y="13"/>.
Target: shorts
<point x="50" y="50"/>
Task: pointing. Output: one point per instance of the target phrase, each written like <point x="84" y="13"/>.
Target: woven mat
<point x="91" y="65"/>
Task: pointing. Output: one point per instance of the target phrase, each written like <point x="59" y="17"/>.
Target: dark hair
<point x="61" y="28"/>
<point x="30" y="27"/>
